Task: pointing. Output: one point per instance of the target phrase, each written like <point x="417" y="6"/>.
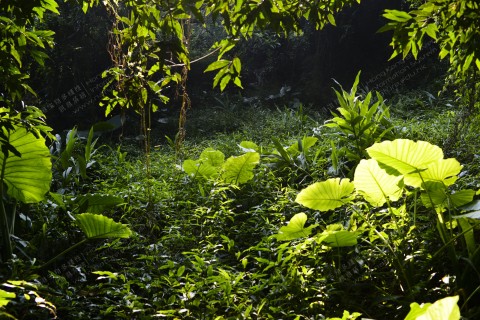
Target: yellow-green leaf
<point x="375" y="184"/>
<point x="326" y="195"/>
<point x="27" y="177"/>
<point x="295" y="228"/>
<point x="406" y="157"/>
<point x="97" y="226"/>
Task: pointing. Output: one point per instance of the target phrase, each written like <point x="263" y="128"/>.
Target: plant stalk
<point x="49" y="262"/>
<point x="4" y="228"/>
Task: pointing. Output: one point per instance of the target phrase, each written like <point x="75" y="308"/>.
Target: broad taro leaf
<point x="375" y="184"/>
<point x="326" y="195"/>
<point x="238" y="170"/>
<point x="96" y="226"/>
<point x="197" y="168"/>
<point x="295" y="228"/>
<point x="445" y="308"/>
<point x="27" y="177"/>
<point x="212" y="157"/>
<point x="97" y="203"/>
<point x="406" y="157"/>
<point x="339" y="238"/>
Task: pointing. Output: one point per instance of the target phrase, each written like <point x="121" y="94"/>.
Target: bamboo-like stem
<point x="49" y="262"/>
<point x="4" y="228"/>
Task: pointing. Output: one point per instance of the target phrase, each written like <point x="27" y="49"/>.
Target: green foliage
<point x="445" y="308"/>
<point x="212" y="165"/>
<point x="238" y="170"/>
<point x="75" y="157"/>
<point x="295" y="228"/>
<point x="326" y="195"/>
<point x="358" y="124"/>
<point x="383" y="179"/>
<point x="452" y="24"/>
<point x="19" y="41"/>
<point x="27" y="177"/>
<point x="28" y="295"/>
<point x="96" y="226"/>
<point x="219" y="254"/>
<point x="375" y="184"/>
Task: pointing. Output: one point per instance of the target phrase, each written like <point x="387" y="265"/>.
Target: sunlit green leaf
<point x="326" y="195"/>
<point x="27" y="177"/>
<point x="5" y="297"/>
<point x="238" y="170"/>
<point x="237" y="65"/>
<point x="443" y="170"/>
<point x="406" y="157"/>
<point x="295" y="228"/>
<point x="197" y="168"/>
<point x="96" y="226"/>
<point x="375" y="184"/>
<point x="397" y="15"/>
<point x="212" y="157"/>
<point x="446" y="309"/>
<point x="249" y="146"/>
<point x="217" y="65"/>
<point x="338" y="238"/>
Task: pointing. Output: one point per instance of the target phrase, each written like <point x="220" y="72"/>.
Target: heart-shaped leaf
<point x="443" y="170"/>
<point x="340" y="238"/>
<point x="326" y="195"/>
<point x="238" y="170"/>
<point x="197" y="168"/>
<point x="27" y="177"/>
<point x="295" y="228"/>
<point x="375" y="184"/>
<point x="405" y="157"/>
<point x="96" y="226"/>
<point x="212" y="157"/>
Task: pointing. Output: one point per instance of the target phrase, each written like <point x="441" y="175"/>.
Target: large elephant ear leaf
<point x="326" y="195"/>
<point x="238" y="170"/>
<point x="97" y="226"/>
<point x="27" y="177"/>
<point x="405" y="157"/>
<point x="375" y="184"/>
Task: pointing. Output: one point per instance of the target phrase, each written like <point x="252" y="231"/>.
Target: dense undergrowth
<point x="205" y="247"/>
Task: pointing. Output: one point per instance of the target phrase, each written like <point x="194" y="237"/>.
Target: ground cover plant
<point x="211" y="246"/>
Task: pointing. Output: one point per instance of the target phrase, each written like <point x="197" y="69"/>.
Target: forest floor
<point x="204" y="247"/>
